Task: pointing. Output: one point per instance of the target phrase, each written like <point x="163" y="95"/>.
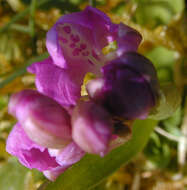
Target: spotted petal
<point x="79" y="37"/>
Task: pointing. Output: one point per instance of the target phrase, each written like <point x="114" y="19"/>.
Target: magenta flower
<point x="55" y="125"/>
<point x="75" y="46"/>
<point x="42" y="138"/>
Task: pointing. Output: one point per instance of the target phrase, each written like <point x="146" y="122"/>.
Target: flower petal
<point x="91" y="127"/>
<point x="128" y="39"/>
<point x="65" y="158"/>
<point x="45" y="121"/>
<point x="79" y="38"/>
<point x="71" y="154"/>
<point x="129" y="86"/>
<point x="29" y="153"/>
<point x="56" y="83"/>
<point x="53" y="173"/>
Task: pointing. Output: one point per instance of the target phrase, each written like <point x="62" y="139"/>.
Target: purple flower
<point x="44" y="128"/>
<point x="55" y="125"/>
<point x="75" y="45"/>
<point x="128" y="87"/>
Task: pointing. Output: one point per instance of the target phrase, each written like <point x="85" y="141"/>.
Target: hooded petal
<point x="29" y="153"/>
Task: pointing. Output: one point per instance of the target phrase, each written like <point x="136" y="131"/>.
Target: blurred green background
<point x="163" y="23"/>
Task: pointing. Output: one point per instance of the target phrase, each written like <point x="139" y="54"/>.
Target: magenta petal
<point x="71" y="154"/>
<point x="65" y="158"/>
<point x="79" y="38"/>
<point x="54" y="172"/>
<point x="45" y="121"/>
<point x="29" y="154"/>
<point x="128" y="39"/>
<point x="91" y="127"/>
<point x="55" y="82"/>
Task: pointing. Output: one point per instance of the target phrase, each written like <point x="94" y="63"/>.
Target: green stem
<point x="22" y="70"/>
<point x="92" y="3"/>
<point x="31" y="20"/>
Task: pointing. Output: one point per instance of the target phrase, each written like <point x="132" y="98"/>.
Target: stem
<point x="183" y="141"/>
<point x="22" y="70"/>
<point x="92" y="3"/>
<point x="168" y="135"/>
<point x="31" y="20"/>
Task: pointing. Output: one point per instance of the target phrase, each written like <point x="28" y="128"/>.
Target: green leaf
<point x="92" y="170"/>
<point x="13" y="175"/>
<point x="170" y="100"/>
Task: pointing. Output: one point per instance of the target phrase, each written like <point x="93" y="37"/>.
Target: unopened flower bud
<point x="43" y="119"/>
<point x="129" y="86"/>
<point x="91" y="127"/>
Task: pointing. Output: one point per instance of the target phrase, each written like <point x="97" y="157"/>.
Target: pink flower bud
<point x="43" y="119"/>
<point x="91" y="127"/>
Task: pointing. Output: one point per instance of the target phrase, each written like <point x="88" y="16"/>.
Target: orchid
<point x="56" y="124"/>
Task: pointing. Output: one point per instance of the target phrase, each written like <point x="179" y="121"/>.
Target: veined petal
<point x="29" y="153"/>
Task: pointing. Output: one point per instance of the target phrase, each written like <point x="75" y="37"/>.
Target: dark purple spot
<point x="85" y="53"/>
<point x="72" y="45"/>
<point x="75" y="38"/>
<point x="67" y="29"/>
<point x="83" y="46"/>
<point x="64" y="40"/>
<point x="76" y="52"/>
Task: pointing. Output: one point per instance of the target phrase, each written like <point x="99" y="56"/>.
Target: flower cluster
<point x="57" y="125"/>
